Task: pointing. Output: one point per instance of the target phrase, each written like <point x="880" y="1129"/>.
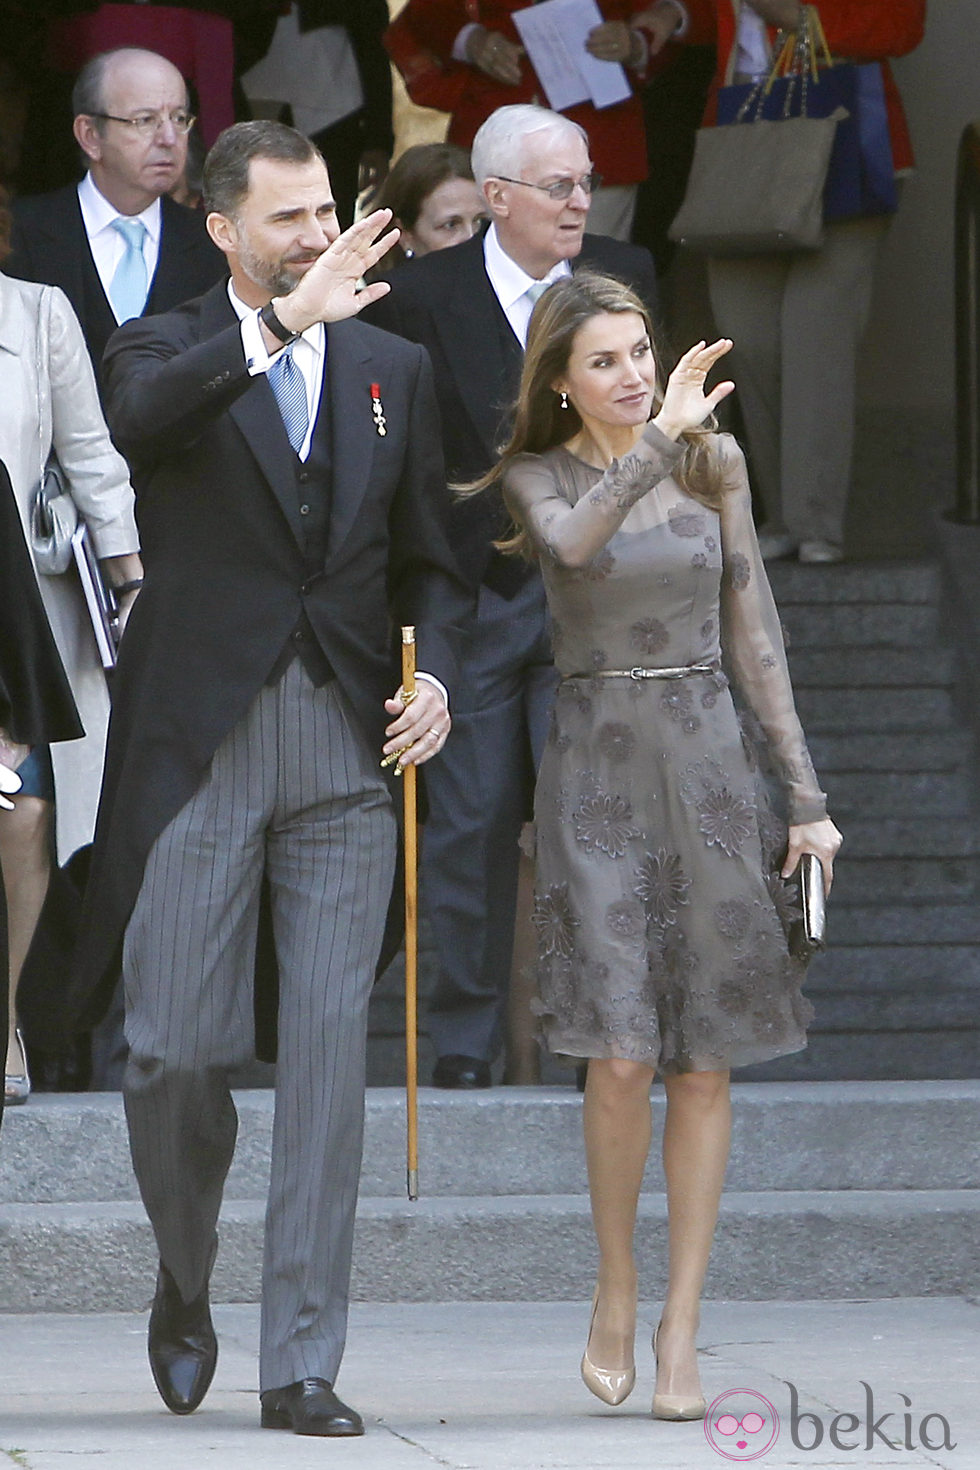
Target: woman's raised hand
<point x="686" y="404"/>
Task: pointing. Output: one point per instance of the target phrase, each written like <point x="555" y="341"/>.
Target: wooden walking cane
<point x="411" y="931"/>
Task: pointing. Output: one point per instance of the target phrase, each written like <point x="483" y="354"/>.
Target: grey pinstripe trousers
<point x="294" y="791"/>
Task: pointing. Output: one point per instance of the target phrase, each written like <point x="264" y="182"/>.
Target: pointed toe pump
<point x="676" y="1406"/>
<point x="612" y="1385"/>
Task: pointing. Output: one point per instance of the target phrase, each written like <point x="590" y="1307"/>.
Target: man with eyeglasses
<point x="116" y="244"/>
<point x="470" y="306"/>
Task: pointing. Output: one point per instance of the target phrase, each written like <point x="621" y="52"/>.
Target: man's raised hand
<point x="329" y="290"/>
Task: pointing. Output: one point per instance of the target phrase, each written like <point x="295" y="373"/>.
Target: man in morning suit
<point x="115" y="243"/>
<point x="470" y="307"/>
<point x="290" y="488"/>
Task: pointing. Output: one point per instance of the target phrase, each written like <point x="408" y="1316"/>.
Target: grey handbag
<point x="756" y="186"/>
<point x="53" y="513"/>
<point x="54" y="518"/>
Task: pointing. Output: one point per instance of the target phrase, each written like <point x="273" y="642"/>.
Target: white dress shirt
<point x="510" y="283"/>
<point x="309" y="355"/>
<point x="107" y="244"/>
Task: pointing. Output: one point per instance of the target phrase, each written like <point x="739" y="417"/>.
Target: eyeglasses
<point x="561" y="188"/>
<point x="148" y="123"/>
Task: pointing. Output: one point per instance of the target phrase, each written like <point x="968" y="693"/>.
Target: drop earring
<point x="563" y="396"/>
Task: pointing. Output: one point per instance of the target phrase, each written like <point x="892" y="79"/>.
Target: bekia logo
<point x="742" y="1425"/>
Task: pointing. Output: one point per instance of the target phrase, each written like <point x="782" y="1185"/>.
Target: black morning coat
<point x="49" y="245"/>
<point x="226" y="582"/>
<point x="445" y="301"/>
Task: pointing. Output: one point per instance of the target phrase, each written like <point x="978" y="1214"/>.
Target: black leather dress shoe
<point x="457" y="1071"/>
<point x="309" y="1407"/>
<point x="182" y="1346"/>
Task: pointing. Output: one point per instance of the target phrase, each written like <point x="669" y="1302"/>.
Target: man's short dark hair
<point x="226" y="166"/>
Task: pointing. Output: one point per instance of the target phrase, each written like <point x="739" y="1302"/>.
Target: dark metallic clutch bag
<point x="808" y="933"/>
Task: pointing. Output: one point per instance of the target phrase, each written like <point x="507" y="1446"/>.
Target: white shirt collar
<point x="313" y="334"/>
<point x="98" y="214"/>
<point x="508" y="279"/>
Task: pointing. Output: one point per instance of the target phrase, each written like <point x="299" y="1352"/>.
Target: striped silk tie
<point x="289" y="386"/>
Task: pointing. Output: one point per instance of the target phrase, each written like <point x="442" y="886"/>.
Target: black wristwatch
<point x="276" y="327"/>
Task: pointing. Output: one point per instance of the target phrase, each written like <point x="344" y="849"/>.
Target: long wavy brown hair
<point x="540" y="423"/>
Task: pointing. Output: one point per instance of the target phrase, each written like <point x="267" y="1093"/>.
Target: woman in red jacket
<point x="797" y="320"/>
<point x="465" y="57"/>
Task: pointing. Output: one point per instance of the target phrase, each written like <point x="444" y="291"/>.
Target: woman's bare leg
<point x="25" y="857"/>
<point x="696" y="1141"/>
<point x="616" y="1115"/>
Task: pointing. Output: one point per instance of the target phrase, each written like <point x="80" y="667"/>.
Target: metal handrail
<point x="967" y="275"/>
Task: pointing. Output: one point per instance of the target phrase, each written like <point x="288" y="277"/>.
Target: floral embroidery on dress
<point x="677" y="701"/>
<point x="769" y="661"/>
<point x="785" y="900"/>
<point x="738" y="571"/>
<point x="727" y="820"/>
<point x="555" y="922"/>
<point x="629" y="478"/>
<point x="616" y="741"/>
<point x="699" y="559"/>
<point x="732" y="916"/>
<point x="603" y="824"/>
<point x="599" y="567"/>
<point x="707" y="630"/>
<point x="684" y="522"/>
<point x="662" y="885"/>
<point x="627" y="919"/>
<point x="710" y="544"/>
<point x="649" y="636"/>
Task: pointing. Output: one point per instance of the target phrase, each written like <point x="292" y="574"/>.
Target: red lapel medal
<point x="377" y="408"/>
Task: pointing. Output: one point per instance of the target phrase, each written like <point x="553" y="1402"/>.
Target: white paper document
<point x="554" y="35"/>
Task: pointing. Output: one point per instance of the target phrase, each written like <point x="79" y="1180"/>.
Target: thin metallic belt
<point x="675" y="673"/>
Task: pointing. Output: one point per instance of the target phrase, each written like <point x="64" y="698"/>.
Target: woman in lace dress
<point x="659" y="908"/>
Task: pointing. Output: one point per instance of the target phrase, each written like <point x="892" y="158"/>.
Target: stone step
<point x="858" y="624"/>
<point x="885" y="968"/>
<point x="72" y="1149"/>
<point x="906" y="924"/>
<point x="911" y="837"/>
<point x="790" y="1245"/>
<point x="887" y="793"/>
<point x="881" y="1056"/>
<point x="850" y="711"/>
<point x="916" y="879"/>
<point x="937" y="750"/>
<point x="865" y="668"/>
<point x="860" y="582"/>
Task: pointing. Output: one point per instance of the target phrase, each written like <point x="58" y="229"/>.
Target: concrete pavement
<point x="495" y="1386"/>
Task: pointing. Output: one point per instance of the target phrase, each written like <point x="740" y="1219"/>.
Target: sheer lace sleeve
<point x="752" y="643"/>
<point x="571" y="535"/>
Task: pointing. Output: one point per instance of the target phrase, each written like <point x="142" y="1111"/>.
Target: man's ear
<point x="87" y="136"/>
<point x="495" y="193"/>
<point x="223" y="232"/>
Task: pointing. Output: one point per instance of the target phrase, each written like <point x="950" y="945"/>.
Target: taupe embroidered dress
<point x="660" y="923"/>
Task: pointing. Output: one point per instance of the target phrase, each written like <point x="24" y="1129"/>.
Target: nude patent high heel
<point x="612" y="1385"/>
<point x="676" y="1406"/>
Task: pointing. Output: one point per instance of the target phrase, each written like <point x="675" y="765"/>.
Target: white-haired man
<point x="470" y="307"/>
